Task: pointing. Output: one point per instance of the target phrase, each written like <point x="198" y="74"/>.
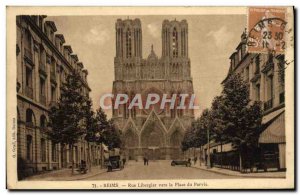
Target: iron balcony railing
<point x="268" y="104"/>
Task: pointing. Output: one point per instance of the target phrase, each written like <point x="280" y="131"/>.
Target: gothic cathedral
<point x="154" y="132"/>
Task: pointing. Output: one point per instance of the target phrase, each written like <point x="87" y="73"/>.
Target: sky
<point x="212" y="39"/>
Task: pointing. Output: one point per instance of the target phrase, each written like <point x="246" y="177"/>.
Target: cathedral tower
<point x="128" y="49"/>
<point x="175" y="49"/>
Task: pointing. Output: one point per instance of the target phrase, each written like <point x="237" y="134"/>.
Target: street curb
<point x="81" y="178"/>
<point x="228" y="174"/>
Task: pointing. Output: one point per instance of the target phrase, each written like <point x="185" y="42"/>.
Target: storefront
<point x="272" y="143"/>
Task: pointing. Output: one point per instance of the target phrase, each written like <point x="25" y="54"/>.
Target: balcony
<point x="43" y="99"/>
<point x="28" y="55"/>
<point x="29" y="92"/>
<point x="42" y="69"/>
<point x="268" y="104"/>
<point x="281" y="97"/>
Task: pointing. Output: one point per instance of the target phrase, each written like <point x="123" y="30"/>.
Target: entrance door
<point x="131" y="154"/>
<point x="154" y="153"/>
<point x="270" y="155"/>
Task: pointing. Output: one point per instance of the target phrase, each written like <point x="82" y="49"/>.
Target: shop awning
<point x="274" y="131"/>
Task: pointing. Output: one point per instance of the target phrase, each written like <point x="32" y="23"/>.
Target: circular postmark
<point x="266" y="30"/>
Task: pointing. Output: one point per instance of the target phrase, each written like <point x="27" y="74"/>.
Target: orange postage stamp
<point x="266" y="27"/>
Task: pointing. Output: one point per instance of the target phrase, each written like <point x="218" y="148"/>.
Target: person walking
<point x="195" y="160"/>
<point x="124" y="161"/>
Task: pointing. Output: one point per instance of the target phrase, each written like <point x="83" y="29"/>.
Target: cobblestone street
<point x="158" y="170"/>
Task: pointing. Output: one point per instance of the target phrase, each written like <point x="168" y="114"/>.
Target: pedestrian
<point x="124" y="161"/>
<point x="109" y="166"/>
<point x="195" y="160"/>
<point x="145" y="160"/>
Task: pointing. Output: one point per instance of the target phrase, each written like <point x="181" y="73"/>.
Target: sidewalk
<point x="65" y="175"/>
<point x="237" y="173"/>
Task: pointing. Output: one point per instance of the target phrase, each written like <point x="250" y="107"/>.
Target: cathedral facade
<point x="155" y="132"/>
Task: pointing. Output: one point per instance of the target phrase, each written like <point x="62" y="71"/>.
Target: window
<point x="257" y="65"/>
<point x="53" y="67"/>
<point x="247" y="74"/>
<point x="62" y="76"/>
<point x="42" y="87"/>
<point x="28" y="147"/>
<point x="43" y="59"/>
<point x="29" y="116"/>
<point x="270" y="87"/>
<point x="53" y="90"/>
<point x="43" y="121"/>
<point x="175" y="43"/>
<point x="54" y="152"/>
<point x="43" y="150"/>
<point x="27" y="40"/>
<point x="28" y="77"/>
<point x="128" y="43"/>
<point x="258" y="92"/>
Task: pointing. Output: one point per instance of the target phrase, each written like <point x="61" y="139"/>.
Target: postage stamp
<point x="267" y="26"/>
<point x="150" y="98"/>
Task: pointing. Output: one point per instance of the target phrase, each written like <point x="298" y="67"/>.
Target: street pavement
<point x="158" y="170"/>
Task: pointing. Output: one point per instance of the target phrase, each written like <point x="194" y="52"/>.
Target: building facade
<point x="154" y="132"/>
<point x="43" y="62"/>
<point x="264" y="74"/>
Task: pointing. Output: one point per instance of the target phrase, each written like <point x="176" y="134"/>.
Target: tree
<point x="241" y="118"/>
<point x="67" y="117"/>
<point x="188" y="140"/>
<point x="90" y="126"/>
<point x="196" y="135"/>
<point x="217" y="124"/>
<point x="111" y="136"/>
<point x="203" y="129"/>
<point x="102" y="123"/>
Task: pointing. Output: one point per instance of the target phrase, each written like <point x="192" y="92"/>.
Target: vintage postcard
<point x="147" y="98"/>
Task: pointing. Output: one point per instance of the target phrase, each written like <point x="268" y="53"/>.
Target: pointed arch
<point x="131" y="139"/>
<point x="153" y="132"/>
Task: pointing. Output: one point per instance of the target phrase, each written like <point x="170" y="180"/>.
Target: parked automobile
<point x="186" y="163"/>
<point x="114" y="162"/>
